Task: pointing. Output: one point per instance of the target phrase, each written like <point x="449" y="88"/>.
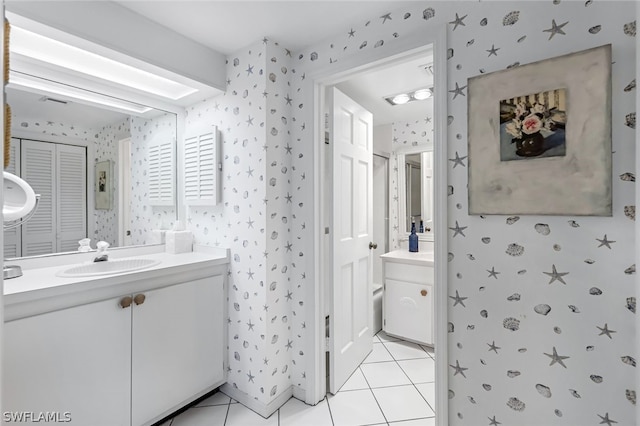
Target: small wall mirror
<point x="415" y="193"/>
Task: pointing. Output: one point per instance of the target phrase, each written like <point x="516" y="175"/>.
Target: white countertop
<point x="423" y="258"/>
<point x="40" y="290"/>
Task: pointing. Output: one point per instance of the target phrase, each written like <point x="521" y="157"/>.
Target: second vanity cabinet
<point x="407" y="303"/>
<point x="128" y="360"/>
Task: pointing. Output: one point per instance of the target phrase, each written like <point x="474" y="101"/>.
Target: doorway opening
<point x="326" y="171"/>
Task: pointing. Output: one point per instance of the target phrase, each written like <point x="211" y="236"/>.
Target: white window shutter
<point x="201" y="167"/>
<point x="161" y="174"/>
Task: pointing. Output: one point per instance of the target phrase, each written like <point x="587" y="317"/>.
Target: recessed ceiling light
<point x="422" y="94"/>
<point x="41" y="48"/>
<point x="416" y="95"/>
<point x="400" y="99"/>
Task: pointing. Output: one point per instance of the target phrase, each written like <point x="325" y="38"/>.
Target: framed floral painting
<point x="103" y="182"/>
<point x="539" y="137"/>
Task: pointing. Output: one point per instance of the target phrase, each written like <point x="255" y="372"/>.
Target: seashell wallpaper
<point x="254" y="220"/>
<point x="541" y="308"/>
<point x="561" y="352"/>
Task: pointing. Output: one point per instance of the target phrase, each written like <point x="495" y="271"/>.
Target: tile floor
<point x="393" y="386"/>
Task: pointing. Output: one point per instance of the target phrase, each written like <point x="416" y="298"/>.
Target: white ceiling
<point x="32" y="107"/>
<point x="370" y="89"/>
<point x="228" y="26"/>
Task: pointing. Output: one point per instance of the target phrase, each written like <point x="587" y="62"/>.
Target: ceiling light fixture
<point x="400" y="99"/>
<point x="41" y="48"/>
<point x="31" y="83"/>
<point x="416" y="95"/>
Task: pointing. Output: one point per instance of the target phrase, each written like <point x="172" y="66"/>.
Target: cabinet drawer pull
<point x="423" y="292"/>
<point x="125" y="302"/>
<point x="139" y="299"/>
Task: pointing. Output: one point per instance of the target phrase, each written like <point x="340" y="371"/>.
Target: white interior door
<point x="124" y="193"/>
<point x="351" y="226"/>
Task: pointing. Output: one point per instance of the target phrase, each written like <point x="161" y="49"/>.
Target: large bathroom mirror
<point x="415" y="193"/>
<point x="94" y="168"/>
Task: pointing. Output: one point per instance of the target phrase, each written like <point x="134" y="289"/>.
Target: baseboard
<point x="299" y="393"/>
<point x="265" y="410"/>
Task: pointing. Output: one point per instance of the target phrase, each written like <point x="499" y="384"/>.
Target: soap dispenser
<point x="413" y="237"/>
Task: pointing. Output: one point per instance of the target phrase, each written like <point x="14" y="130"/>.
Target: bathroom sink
<point x="115" y="266"/>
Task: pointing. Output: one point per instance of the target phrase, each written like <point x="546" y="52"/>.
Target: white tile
<point x="217" y="398"/>
<point x="378" y="354"/>
<point x="402" y="403"/>
<point x="405" y="350"/>
<point x="382" y="374"/>
<point x="296" y="412"/>
<point x="384" y="337"/>
<point x="420" y="370"/>
<point x="428" y="390"/>
<point x="355" y="382"/>
<point x="239" y="415"/>
<point x="354" y="408"/>
<point x="429" y="421"/>
<point x="202" y="416"/>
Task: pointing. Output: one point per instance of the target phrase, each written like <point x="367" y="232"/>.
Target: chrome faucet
<point x="102" y="254"/>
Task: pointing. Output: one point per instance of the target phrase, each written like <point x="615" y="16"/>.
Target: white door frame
<point x="315" y="315"/>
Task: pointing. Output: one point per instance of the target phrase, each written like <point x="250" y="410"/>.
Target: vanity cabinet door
<point x="178" y="346"/>
<point x="408" y="311"/>
<point x="73" y="364"/>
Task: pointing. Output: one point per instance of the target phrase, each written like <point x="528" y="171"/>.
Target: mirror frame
<point x="403" y="232"/>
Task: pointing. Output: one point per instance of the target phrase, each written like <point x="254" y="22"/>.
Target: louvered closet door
<point x="38" y="164"/>
<point x="71" y="191"/>
<point x="12" y="237"/>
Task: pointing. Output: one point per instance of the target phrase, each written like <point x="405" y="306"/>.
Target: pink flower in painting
<point x="531" y="124"/>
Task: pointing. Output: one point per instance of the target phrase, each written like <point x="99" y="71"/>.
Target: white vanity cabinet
<point x="130" y="359"/>
<point x="74" y="362"/>
<point x="408" y="296"/>
<point x="176" y="346"/>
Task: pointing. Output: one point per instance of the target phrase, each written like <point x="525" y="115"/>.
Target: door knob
<point x="423" y="292"/>
<point x="139" y="299"/>
<point x="125" y="302"/>
<point x="373" y="246"/>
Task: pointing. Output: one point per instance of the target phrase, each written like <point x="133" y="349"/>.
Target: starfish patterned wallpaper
<point x="541" y="308"/>
<point x="253" y="218"/>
